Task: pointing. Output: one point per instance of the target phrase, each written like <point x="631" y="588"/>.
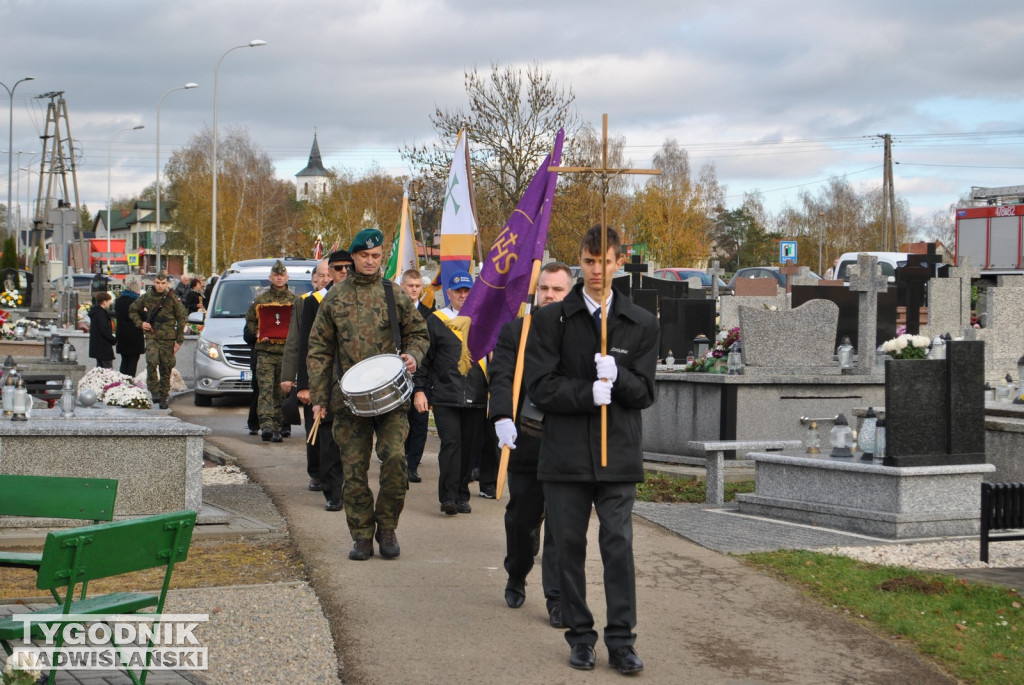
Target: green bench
<point x="86" y="499"/>
<point x="78" y="555"/>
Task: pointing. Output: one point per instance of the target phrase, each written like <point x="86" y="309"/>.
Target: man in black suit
<point x="570" y="381"/>
<point x="525" y="509"/>
<point x="412" y="284"/>
<point x="331" y="478"/>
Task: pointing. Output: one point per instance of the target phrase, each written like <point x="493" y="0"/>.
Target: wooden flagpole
<point x="517" y="378"/>
<point x="605" y="174"/>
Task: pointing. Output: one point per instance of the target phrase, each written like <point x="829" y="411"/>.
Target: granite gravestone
<point x="716" y="272"/>
<point x="949" y="300"/>
<point x="635" y="268"/>
<point x="935" y="408"/>
<point x="790" y="342"/>
<point x="867" y="281"/>
<point x="847" y="301"/>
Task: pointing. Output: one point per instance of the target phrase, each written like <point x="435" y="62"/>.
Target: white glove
<point x="506" y="430"/>
<point x="606" y="367"/>
<point x="602" y="393"/>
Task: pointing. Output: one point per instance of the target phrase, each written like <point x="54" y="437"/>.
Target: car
<point x="675" y="274"/>
<point x="888" y="262"/>
<point x="222" y="355"/>
<point x="763" y="272"/>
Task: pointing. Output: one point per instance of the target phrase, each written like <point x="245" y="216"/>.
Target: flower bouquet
<point x="714" y="359"/>
<point x="115" y="389"/>
<point x="11" y="298"/>
<point x="907" y="346"/>
<point x="22" y="668"/>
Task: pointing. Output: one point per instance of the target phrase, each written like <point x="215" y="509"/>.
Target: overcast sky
<point x="780" y="95"/>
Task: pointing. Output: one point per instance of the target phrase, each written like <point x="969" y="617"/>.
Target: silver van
<point x="222" y="356"/>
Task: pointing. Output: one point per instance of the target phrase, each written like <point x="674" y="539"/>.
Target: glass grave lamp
<point x="866" y="437"/>
<point x="735" y="359"/>
<point x="22" y="402"/>
<point x="813" y="439"/>
<point x="19" y="331"/>
<point x="938" y="348"/>
<point x="844" y="353"/>
<point x="880" y="440"/>
<point x="67" y="399"/>
<point x="841" y="437"/>
<point x="10" y="385"/>
<point x="670" y="361"/>
<point x="701" y="345"/>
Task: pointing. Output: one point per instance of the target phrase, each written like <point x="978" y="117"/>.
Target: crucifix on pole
<point x="605" y="174"/>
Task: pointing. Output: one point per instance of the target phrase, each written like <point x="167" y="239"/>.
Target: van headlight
<point x="209" y="349"/>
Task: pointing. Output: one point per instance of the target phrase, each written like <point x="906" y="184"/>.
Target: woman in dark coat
<point x="131" y="341"/>
<point x="101" y="331"/>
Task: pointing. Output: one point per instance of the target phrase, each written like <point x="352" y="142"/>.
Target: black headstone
<point x="620" y="284"/>
<point x="849" y="310"/>
<point x="681" y="322"/>
<point x="911" y="280"/>
<point x="635" y="268"/>
<point x="934" y="408"/>
<point x="646" y="299"/>
<point x="678" y="290"/>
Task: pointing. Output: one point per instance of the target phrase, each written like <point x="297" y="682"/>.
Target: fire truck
<point x="990" y="234"/>
<point x="100" y="258"/>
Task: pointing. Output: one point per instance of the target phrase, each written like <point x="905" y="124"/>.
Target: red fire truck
<point x="991" y="235"/>
<point x="100" y="258"/>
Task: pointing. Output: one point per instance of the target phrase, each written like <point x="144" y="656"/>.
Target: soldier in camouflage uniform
<point x="161" y="316"/>
<point x="352" y="325"/>
<point x="270" y="354"/>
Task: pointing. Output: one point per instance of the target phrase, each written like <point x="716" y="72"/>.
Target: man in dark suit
<point x="570" y="380"/>
<point x="131" y="341"/>
<point x="412" y="284"/>
<point x="331" y="478"/>
<point x="525" y="509"/>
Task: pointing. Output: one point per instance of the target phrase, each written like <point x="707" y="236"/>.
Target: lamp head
<point x="191" y="85"/>
<point x="256" y="43"/>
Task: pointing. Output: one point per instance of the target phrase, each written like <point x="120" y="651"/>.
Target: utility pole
<point x="888" y="197"/>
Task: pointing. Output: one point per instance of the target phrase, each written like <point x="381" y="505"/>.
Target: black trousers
<point x="331" y="474"/>
<point x="459" y="430"/>
<point x="568" y="514"/>
<point x="489" y="456"/>
<point x="254" y="417"/>
<point x="312" y="450"/>
<point x="523" y="515"/>
<point x="417" y="439"/>
<point x="129" y="364"/>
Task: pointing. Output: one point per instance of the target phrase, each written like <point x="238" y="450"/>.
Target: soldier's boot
<point x="388" y="542"/>
<point x="362" y="550"/>
<point x="276" y="437"/>
<point x="266" y="434"/>
<point x="163" y="403"/>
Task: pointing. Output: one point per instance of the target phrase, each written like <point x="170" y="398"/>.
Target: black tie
<point x="597" y="318"/>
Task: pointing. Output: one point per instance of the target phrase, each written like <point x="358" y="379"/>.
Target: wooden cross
<point x="716" y="272"/>
<point x="605" y="174"/>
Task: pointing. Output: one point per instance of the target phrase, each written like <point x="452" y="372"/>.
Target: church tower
<point x="311" y="182"/>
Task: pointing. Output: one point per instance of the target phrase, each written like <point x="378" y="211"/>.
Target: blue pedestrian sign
<point x="787" y="251"/>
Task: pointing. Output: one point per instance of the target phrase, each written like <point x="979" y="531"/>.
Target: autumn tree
<point x="674" y="213"/>
<point x="351" y="204"/>
<point x="255" y="214"/>
<point x="511" y="121"/>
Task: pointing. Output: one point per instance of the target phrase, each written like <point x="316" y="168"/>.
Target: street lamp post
<point x="10" y="141"/>
<point x="821" y="235"/>
<point x="187" y="86"/>
<point x="109" y="149"/>
<point x="255" y="43"/>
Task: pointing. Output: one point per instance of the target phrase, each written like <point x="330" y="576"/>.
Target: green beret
<point x="278" y="268"/>
<point x="162" y="276"/>
<point x="366" y="239"/>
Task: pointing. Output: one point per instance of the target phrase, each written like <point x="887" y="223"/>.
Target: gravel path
<point x="945" y="555"/>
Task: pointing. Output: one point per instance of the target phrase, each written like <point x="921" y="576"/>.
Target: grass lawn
<point x="975" y="631"/>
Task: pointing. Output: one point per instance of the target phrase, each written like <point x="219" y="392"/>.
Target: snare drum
<point x="376" y="385"/>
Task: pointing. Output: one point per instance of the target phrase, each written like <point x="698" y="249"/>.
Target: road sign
<point x="787" y="251"/>
<point x="133" y="259"/>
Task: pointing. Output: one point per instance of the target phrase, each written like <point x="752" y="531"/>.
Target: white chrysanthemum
<point x="889" y="346"/>
<point x="920" y="341"/>
<point x="26" y="662"/>
<point x="901" y="343"/>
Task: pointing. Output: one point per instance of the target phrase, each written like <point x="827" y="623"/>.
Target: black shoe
<point x="254" y="431"/>
<point x="286" y="432"/>
<point x="414" y="476"/>
<point x="276" y="437"/>
<point x="487" y="493"/>
<point x="449" y="508"/>
<point x="625" y="661"/>
<point x="581" y="657"/>
<point x="463" y="508"/>
<point x="388" y="542"/>
<point x="555" y="616"/>
<point x="474" y="475"/>
<point x="163" y="404"/>
<point x="266" y="434"/>
<point x="315" y="485"/>
<point x="361" y="550"/>
<point x="515" y="593"/>
<point x="334" y="505"/>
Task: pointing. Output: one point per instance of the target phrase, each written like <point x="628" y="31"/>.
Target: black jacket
<point x="438" y="375"/>
<point x="130" y="338"/>
<point x="101" y="333"/>
<point x="501" y="370"/>
<point x="560" y="374"/>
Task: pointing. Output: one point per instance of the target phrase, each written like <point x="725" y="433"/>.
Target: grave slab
<point x="789" y="341"/>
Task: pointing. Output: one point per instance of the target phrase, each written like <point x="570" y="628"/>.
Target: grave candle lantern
<point x="735" y="359"/>
<point x="841" y="437"/>
<point x="701" y="345"/>
<point x="866" y="437"/>
<point x="813" y="439"/>
<point x="67" y="399"/>
<point x="844" y="353"/>
<point x="10" y="384"/>
<point x="880" y="440"/>
<point x="22" y="402"/>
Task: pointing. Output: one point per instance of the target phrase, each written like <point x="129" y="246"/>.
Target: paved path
<point x="437" y="614"/>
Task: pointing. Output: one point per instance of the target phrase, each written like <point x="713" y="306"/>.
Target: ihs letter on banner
<point x="503" y="251"/>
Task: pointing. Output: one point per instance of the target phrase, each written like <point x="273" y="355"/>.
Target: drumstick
<point x="311" y="438"/>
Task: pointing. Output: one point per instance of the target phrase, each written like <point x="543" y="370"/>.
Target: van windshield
<point x="234" y="296"/>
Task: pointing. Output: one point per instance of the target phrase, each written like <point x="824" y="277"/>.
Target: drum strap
<point x="389" y="296"/>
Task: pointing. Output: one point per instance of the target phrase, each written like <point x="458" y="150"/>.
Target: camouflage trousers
<point x="159" y="362"/>
<point x="268" y="377"/>
<point x="354" y="436"/>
